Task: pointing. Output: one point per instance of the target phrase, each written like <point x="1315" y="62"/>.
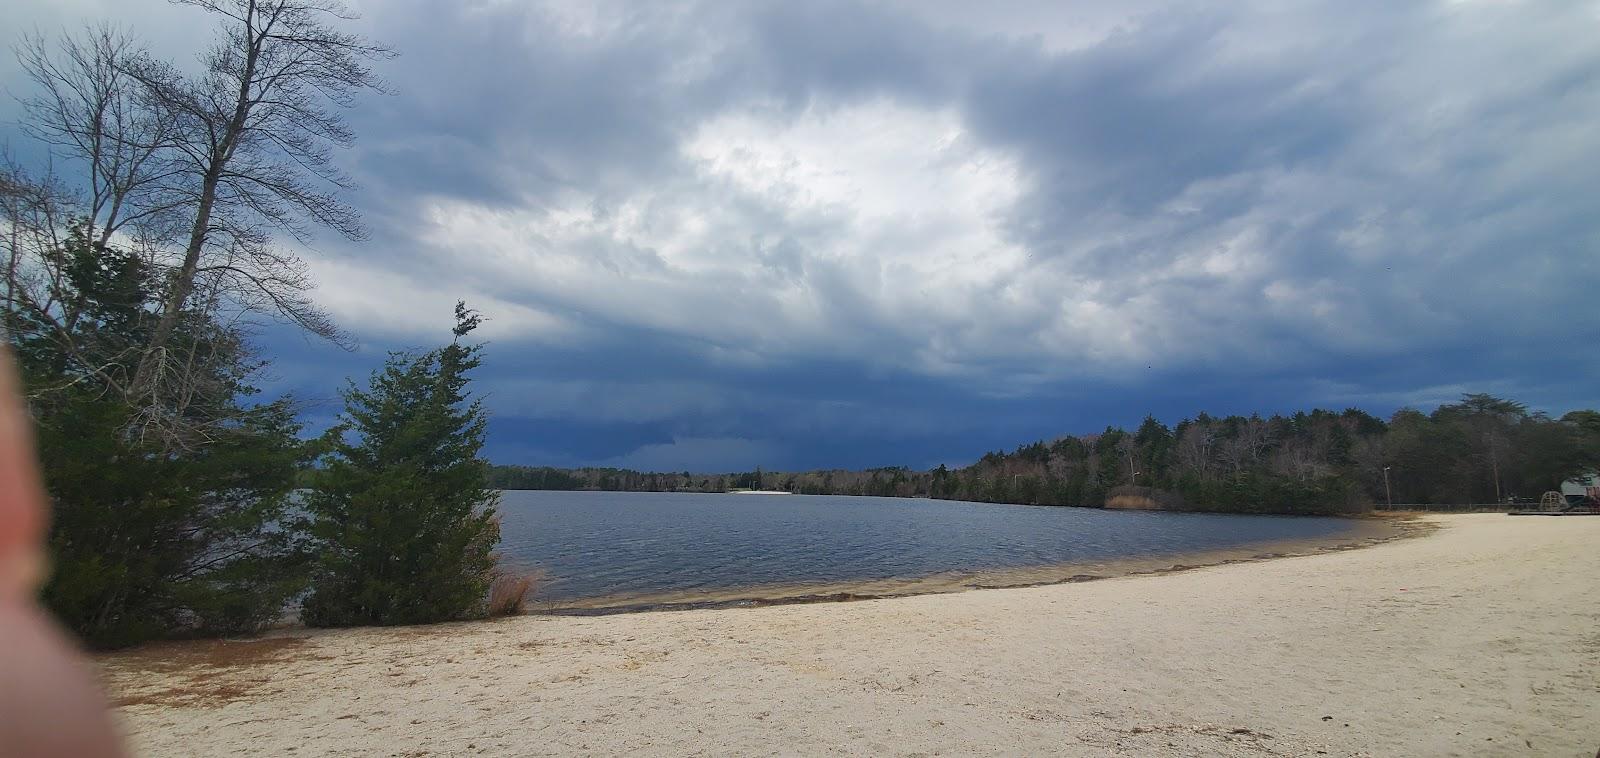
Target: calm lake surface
<point x="603" y="544"/>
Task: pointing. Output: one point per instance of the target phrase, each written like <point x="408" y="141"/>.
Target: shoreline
<point x="1475" y="640"/>
<point x="1366" y="531"/>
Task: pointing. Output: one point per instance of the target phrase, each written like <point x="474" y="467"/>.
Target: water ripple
<point x="594" y="544"/>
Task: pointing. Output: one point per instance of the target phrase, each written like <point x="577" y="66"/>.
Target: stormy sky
<point x="717" y="235"/>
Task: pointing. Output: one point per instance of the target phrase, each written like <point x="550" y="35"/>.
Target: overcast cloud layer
<point x="712" y="236"/>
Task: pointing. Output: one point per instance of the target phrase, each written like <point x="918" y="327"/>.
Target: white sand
<point x="1480" y="639"/>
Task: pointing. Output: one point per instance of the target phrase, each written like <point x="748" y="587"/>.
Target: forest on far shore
<point x="1481" y="449"/>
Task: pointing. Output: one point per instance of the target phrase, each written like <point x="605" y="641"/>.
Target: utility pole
<point x="1387" y="494"/>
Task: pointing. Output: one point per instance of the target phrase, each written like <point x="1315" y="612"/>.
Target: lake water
<point x="683" y="547"/>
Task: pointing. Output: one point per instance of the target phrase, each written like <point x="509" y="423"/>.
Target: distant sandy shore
<point x="1482" y="638"/>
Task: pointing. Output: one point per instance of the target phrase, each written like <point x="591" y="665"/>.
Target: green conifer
<point x="402" y="515"/>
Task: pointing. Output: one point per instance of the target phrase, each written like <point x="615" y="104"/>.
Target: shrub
<point x="508" y="591"/>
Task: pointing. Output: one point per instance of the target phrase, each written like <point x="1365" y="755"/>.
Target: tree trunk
<point x="183" y="283"/>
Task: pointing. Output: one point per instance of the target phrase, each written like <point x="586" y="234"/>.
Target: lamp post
<point x="1387" y="495"/>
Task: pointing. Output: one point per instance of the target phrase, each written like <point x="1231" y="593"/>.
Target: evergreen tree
<point x="153" y="535"/>
<point x="402" y="514"/>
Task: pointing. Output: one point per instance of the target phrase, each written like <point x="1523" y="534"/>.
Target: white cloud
<point x="378" y="303"/>
<point x="810" y="235"/>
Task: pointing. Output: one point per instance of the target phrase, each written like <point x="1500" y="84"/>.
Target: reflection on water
<point x="602" y="544"/>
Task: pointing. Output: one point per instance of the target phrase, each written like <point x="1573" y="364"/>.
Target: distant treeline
<point x="616" y="480"/>
<point x="1482" y="449"/>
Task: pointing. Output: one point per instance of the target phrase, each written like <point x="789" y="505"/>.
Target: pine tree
<point x="401" y="513"/>
<point x="153" y="535"/>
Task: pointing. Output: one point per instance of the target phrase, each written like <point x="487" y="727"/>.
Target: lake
<point x="615" y="549"/>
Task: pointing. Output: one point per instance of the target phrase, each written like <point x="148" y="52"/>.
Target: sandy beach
<point x="1480" y="638"/>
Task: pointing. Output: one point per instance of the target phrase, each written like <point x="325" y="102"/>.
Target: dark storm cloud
<point x="507" y="102"/>
<point x="851" y="233"/>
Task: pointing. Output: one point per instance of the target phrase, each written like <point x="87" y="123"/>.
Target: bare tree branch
<point x="255" y="137"/>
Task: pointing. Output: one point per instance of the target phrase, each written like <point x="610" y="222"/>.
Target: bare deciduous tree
<point x="251" y="151"/>
<point x="1302" y="459"/>
<point x="1125" y="450"/>
<point x="1195" y="448"/>
<point x="92" y="112"/>
<point x="197" y="173"/>
<point x="94" y="117"/>
<point x="1243" y="450"/>
<point x="34" y="212"/>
